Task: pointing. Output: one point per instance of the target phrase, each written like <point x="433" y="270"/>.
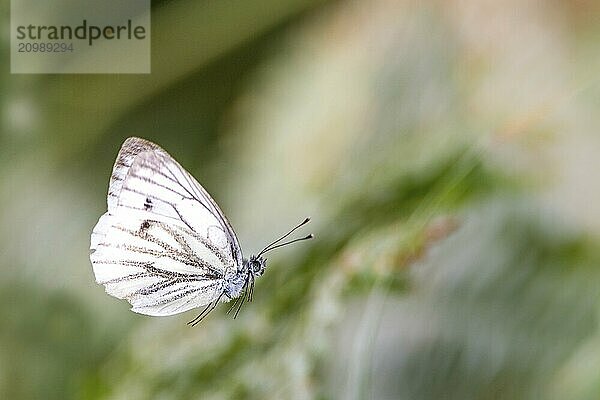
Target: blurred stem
<point x="358" y="384"/>
<point x="449" y="189"/>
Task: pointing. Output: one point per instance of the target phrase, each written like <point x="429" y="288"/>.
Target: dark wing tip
<point x="138" y="144"/>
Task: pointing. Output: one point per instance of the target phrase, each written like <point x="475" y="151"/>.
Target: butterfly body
<point x="164" y="245"/>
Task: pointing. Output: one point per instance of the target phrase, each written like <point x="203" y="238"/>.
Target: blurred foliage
<point x="446" y="151"/>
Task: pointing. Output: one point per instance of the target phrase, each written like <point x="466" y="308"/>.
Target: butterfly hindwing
<point x="164" y="245"/>
<point x="159" y="268"/>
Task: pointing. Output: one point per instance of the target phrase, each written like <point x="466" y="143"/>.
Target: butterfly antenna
<point x="290" y="242"/>
<point x="268" y="247"/>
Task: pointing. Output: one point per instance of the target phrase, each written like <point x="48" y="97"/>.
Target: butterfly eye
<point x="256" y="267"/>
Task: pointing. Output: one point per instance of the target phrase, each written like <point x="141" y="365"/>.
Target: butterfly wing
<point x="164" y="244"/>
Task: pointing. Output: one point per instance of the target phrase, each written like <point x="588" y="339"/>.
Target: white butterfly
<point x="164" y="245"/>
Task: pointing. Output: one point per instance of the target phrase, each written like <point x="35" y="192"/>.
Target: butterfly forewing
<point x="164" y="245"/>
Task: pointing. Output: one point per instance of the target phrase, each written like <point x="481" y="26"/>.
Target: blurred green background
<point x="446" y="150"/>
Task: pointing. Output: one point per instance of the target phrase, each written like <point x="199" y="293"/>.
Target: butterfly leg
<point x="199" y="315"/>
<point x="234" y="304"/>
<point x="251" y="294"/>
<point x="243" y="297"/>
<point x="205" y="312"/>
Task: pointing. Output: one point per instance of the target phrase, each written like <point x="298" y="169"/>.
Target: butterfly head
<point x="257" y="265"/>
